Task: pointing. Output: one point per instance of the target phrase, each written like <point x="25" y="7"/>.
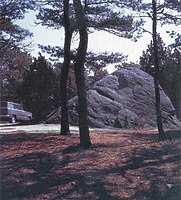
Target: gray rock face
<point x="124" y="99"/>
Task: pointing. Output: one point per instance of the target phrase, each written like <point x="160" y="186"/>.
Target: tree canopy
<point x="14" y="59"/>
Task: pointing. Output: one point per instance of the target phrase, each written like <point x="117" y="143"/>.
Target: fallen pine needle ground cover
<point x="120" y="165"/>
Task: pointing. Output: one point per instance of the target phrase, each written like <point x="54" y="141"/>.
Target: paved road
<point x="42" y="128"/>
<point x="37" y="128"/>
<point x="49" y="128"/>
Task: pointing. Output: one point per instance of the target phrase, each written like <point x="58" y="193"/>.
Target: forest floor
<point x="120" y="165"/>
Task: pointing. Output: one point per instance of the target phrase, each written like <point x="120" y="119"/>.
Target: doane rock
<point x="124" y="99"/>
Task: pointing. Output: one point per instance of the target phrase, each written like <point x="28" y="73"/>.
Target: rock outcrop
<point x="124" y="99"/>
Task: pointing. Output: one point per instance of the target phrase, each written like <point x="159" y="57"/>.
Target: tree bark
<point x="80" y="76"/>
<point x="64" y="71"/>
<point x="156" y="75"/>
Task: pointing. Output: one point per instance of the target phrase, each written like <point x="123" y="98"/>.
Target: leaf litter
<point x="120" y="165"/>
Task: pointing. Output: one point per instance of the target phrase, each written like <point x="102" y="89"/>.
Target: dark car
<point x="13" y="112"/>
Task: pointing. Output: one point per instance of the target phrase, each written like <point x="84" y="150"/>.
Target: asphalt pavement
<point x="37" y="128"/>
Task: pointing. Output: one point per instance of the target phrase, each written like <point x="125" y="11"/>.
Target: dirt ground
<point x="120" y="165"/>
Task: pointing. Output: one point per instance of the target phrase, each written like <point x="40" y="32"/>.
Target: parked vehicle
<point x="13" y="112"/>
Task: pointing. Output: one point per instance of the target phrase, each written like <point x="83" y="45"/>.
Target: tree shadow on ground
<point x="108" y="171"/>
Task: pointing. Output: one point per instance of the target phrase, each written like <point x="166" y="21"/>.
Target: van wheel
<point x="29" y="118"/>
<point x="13" y="119"/>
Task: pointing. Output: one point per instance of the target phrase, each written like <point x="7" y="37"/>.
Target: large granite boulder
<point x="124" y="99"/>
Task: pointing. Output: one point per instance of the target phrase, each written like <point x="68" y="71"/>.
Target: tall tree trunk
<point x="178" y="98"/>
<point x="156" y="76"/>
<point x="64" y="71"/>
<point x="80" y="77"/>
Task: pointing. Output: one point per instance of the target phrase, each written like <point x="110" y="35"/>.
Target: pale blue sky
<point x="99" y="41"/>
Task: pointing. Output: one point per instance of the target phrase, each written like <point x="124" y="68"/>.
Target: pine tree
<point x="79" y="74"/>
<point x="169" y="69"/>
<point x="38" y="87"/>
<point x="65" y="69"/>
<point x="114" y="22"/>
<point x="166" y="12"/>
<point x="156" y="72"/>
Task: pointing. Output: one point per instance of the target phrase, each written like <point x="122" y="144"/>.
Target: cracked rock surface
<point x="123" y="99"/>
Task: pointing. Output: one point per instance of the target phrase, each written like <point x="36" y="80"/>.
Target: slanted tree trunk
<point x="65" y="71"/>
<point x="156" y="75"/>
<point x="80" y="77"/>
